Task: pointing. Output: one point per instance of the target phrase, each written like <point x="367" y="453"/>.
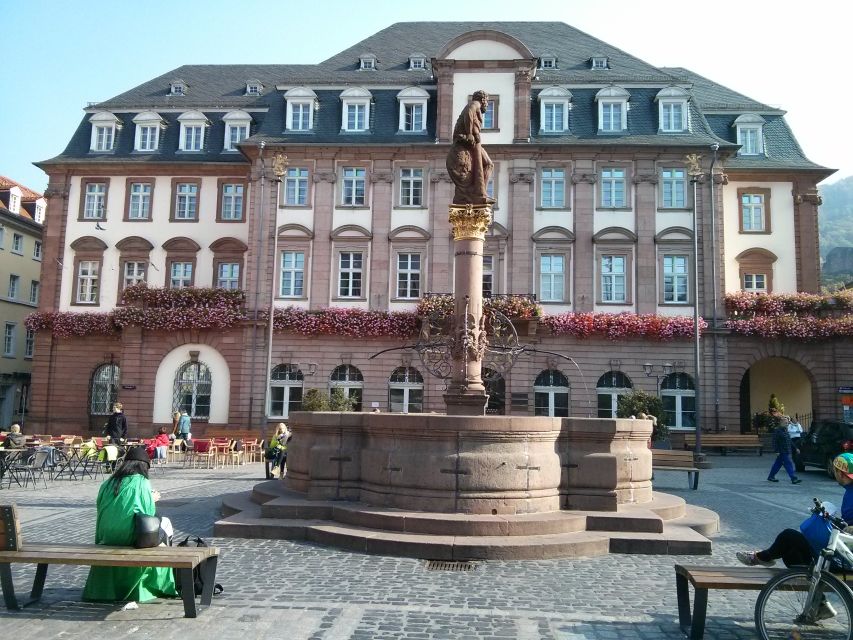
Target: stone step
<point x="700" y="519"/>
<point x="673" y="540"/>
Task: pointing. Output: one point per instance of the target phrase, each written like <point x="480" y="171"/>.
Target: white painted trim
<point x="220" y="376"/>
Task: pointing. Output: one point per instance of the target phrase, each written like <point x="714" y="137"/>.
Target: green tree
<point x="775" y="405"/>
<point x="339" y="401"/>
<point x="315" y="400"/>
<point x="637" y="402"/>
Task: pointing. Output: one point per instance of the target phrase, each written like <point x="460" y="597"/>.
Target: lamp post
<point x="694" y="170"/>
<point x="650" y="370"/>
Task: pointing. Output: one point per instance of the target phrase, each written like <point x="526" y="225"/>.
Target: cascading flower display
<point x="793" y="316"/>
<point x="617" y="326"/>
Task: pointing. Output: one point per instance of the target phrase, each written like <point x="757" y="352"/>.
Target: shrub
<point x="637" y="402"/>
<point x="339" y="401"/>
<point x="315" y="400"/>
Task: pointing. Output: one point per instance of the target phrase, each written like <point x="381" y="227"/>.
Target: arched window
<point x="678" y="395"/>
<point x="406" y="391"/>
<point x="285" y="390"/>
<point x="104" y="391"/>
<point x="610" y="386"/>
<point x="349" y="379"/>
<point x="551" y="394"/>
<point x="496" y="388"/>
<point x="192" y="389"/>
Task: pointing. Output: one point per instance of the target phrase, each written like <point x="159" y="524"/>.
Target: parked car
<point x="825" y="440"/>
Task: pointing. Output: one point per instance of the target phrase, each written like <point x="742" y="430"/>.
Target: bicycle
<point x="803" y="603"/>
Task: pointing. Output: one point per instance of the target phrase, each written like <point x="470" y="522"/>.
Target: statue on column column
<point x="468" y="163"/>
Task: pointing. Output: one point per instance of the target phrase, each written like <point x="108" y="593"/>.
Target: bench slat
<point x="99" y="555"/>
<point x="744" y="578"/>
<point x="674" y="468"/>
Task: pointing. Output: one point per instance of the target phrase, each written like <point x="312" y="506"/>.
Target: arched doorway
<point x="786" y="378"/>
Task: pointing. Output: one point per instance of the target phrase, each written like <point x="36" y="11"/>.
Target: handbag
<point x="146" y="531"/>
<point x="816" y="530"/>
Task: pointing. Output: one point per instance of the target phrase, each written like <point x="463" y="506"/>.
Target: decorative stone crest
<point x="811" y="197"/>
<point x="521" y="176"/>
<point x="439" y="176"/>
<point x="651" y="178"/>
<point x="694" y="164"/>
<point x="326" y="176"/>
<point x="721" y="178"/>
<point x="588" y="178"/>
<point x="470" y="221"/>
<point x="382" y="177"/>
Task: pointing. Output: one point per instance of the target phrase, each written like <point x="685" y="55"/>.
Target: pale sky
<point x="59" y="55"/>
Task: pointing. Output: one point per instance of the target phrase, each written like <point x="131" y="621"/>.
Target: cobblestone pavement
<point x="298" y="590"/>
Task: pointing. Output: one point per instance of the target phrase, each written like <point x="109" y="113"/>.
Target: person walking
<point x="184" y="426"/>
<point x="782" y="445"/>
<point x="117" y="425"/>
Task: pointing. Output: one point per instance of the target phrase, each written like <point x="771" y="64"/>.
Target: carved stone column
<point x="466" y="394"/>
<point x="645" y="182"/>
<point x="443" y="71"/>
<point x="324" y="207"/>
<point x="522" y="175"/>
<point x="521" y="132"/>
<point x="584" y="179"/>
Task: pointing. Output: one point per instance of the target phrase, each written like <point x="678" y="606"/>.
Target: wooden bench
<point x="705" y="578"/>
<point x="667" y="460"/>
<point x="182" y="559"/>
<point x="724" y="441"/>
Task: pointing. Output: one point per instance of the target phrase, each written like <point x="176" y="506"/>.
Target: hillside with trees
<point x="836" y="233"/>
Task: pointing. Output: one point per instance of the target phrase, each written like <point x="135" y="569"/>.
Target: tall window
<point x="34" y="291"/>
<point x="93" y="206"/>
<point x="104" y="138"/>
<point x="14" y="286"/>
<point x="611" y="116"/>
<point x="228" y="275"/>
<point x="552" y="273"/>
<point x="553" y="188"/>
<point x="87" y="281"/>
<point x="103" y="392"/>
<point x="356" y="116"/>
<point x="232" y="202"/>
<point x="180" y="275"/>
<point x="286" y="382"/>
<point x="673" y="186"/>
<point x="17" y="243"/>
<point x="300" y="116"/>
<point x="413" y="116"/>
<point x="752" y="208"/>
<point x="408" y="275"/>
<point x="349" y="379"/>
<point x="411" y="187"/>
<point x="488" y="275"/>
<point x="490" y="117"/>
<point x="134" y="273"/>
<point x="406" y="391"/>
<point x="9" y="339"/>
<point x="349" y="274"/>
<point x="353" y="186"/>
<point x="186" y="201"/>
<point x="613" y="279"/>
<point x="672" y="116"/>
<point x="140" y="201"/>
<point x="296" y="187"/>
<point x="755" y="282"/>
<point x="675" y="279"/>
<point x="148" y="137"/>
<point x="29" y="343"/>
<point x="750" y="141"/>
<point x="610" y="386"/>
<point x="193" y="137"/>
<point x="612" y="188"/>
<point x="292" y="274"/>
<point x="553" y="114"/>
<point x="678" y="395"/>
<point x="192" y="389"/>
<point x="551" y="394"/>
<point x="235" y="134"/>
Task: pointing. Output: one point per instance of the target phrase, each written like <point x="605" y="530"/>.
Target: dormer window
<point x="193" y="127"/>
<point x="15" y="200"/>
<point x="599" y="62"/>
<point x="254" y="88"/>
<point x="367" y="61"/>
<point x="554" y="105"/>
<point x="301" y="104"/>
<point x="417" y="61"/>
<point x="237" y="125"/>
<point x="413" y="107"/>
<point x="105" y="127"/>
<point x="177" y="88"/>
<point x="548" y="62"/>
<point x="148" y="125"/>
<point x="355" y="115"/>
<point x="612" y="109"/>
<point x="750" y="134"/>
<point x="672" y="110"/>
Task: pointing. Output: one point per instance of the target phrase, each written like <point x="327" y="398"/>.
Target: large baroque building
<point x="22" y="212"/>
<point x="177" y="183"/>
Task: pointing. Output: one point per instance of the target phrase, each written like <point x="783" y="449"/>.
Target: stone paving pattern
<point x="293" y="590"/>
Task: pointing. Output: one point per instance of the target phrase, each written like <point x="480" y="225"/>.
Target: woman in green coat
<point x="124" y="494"/>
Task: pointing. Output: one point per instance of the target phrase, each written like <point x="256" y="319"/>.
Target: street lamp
<point x="694" y="170"/>
<point x="650" y="370"/>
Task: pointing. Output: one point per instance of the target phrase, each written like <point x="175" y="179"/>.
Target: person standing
<point x="795" y="430"/>
<point x="176" y="418"/>
<point x="782" y="445"/>
<point x="117" y="425"/>
<point x="184" y="426"/>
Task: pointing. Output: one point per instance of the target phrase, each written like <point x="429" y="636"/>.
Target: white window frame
<point x="233" y="203"/>
<point x="547" y="62"/>
<point x="305" y="98"/>
<point x="105" y="128"/>
<point x="37" y="248"/>
<point x="552" y="277"/>
<point x="613" y="277"/>
<point x="411" y="182"/>
<point x="186" y="201"/>
<point x="147" y="125"/>
<point x="349" y="385"/>
<point x="292" y="379"/>
<point x="678" y="395"/>
<point x="750" y="282"/>
<point x="236" y="121"/>
<point x="231" y="278"/>
<point x="550" y="97"/>
<point x="305" y="107"/>
<point x="14" y="202"/>
<point x="488" y="275"/>
<point x="607" y="99"/>
<point x="599" y="63"/>
<point x="177" y="88"/>
<point x="409" y="268"/>
<point x="9" y="339"/>
<point x="556" y="187"/>
<point x="673" y="179"/>
<point x="2" y="237"/>
<point x="14" y="286"/>
<point x="665" y="106"/>
<point x="607" y="116"/>
<point x="180" y="277"/>
<point x="610" y="178"/>
<point x="254" y="88"/>
<point x="192" y="120"/>
<point x="411" y="98"/>
<point x="754" y="211"/>
<point x="614" y="393"/>
<point x="367" y="62"/>
<point x="353" y="97"/>
<point x="296" y="184"/>
<point x="353" y="274"/>
<point x="753" y="123"/>
<point x="412" y="381"/>
<point x="490" y="116"/>
<point x="18" y="243"/>
<point x="88" y="281"/>
<point x="677" y="276"/>
<point x="292" y="268"/>
<point x="29" y="343"/>
<point x="351" y="178"/>
<point x="134" y="272"/>
<point x="35" y="290"/>
<point x="551" y="391"/>
<point x="417" y="63"/>
<point x="139" y="202"/>
<point x="94" y="201"/>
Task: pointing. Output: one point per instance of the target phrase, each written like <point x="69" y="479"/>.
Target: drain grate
<point x="450" y="565"/>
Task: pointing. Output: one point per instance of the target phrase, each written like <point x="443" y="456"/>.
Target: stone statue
<point x="468" y="163"/>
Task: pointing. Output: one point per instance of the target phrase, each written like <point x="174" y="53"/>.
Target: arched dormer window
<point x="554" y="105"/>
<point x="356" y="109"/>
<point x="612" y="109"/>
<point x="301" y="104"/>
<point x="237" y="125"/>
<point x="750" y="134"/>
<point x="193" y="127"/>
<point x="105" y="127"/>
<point x="413" y="106"/>
<point x="672" y="110"/>
<point x="148" y="126"/>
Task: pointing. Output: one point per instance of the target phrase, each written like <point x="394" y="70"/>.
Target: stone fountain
<point x="464" y="485"/>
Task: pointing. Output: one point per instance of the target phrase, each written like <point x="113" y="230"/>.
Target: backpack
<point x="198" y="582"/>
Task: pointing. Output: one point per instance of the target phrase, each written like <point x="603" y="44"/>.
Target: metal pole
<point x="714" y="336"/>
<point x="257" y="292"/>
<point x="696" y="360"/>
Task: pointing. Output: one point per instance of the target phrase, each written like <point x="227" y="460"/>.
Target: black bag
<point x="146" y="531"/>
<point x="198" y="582"/>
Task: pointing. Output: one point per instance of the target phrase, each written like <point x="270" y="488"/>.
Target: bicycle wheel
<point x="779" y="610"/>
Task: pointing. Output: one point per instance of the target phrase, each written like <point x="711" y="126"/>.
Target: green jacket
<point x="115" y="527"/>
